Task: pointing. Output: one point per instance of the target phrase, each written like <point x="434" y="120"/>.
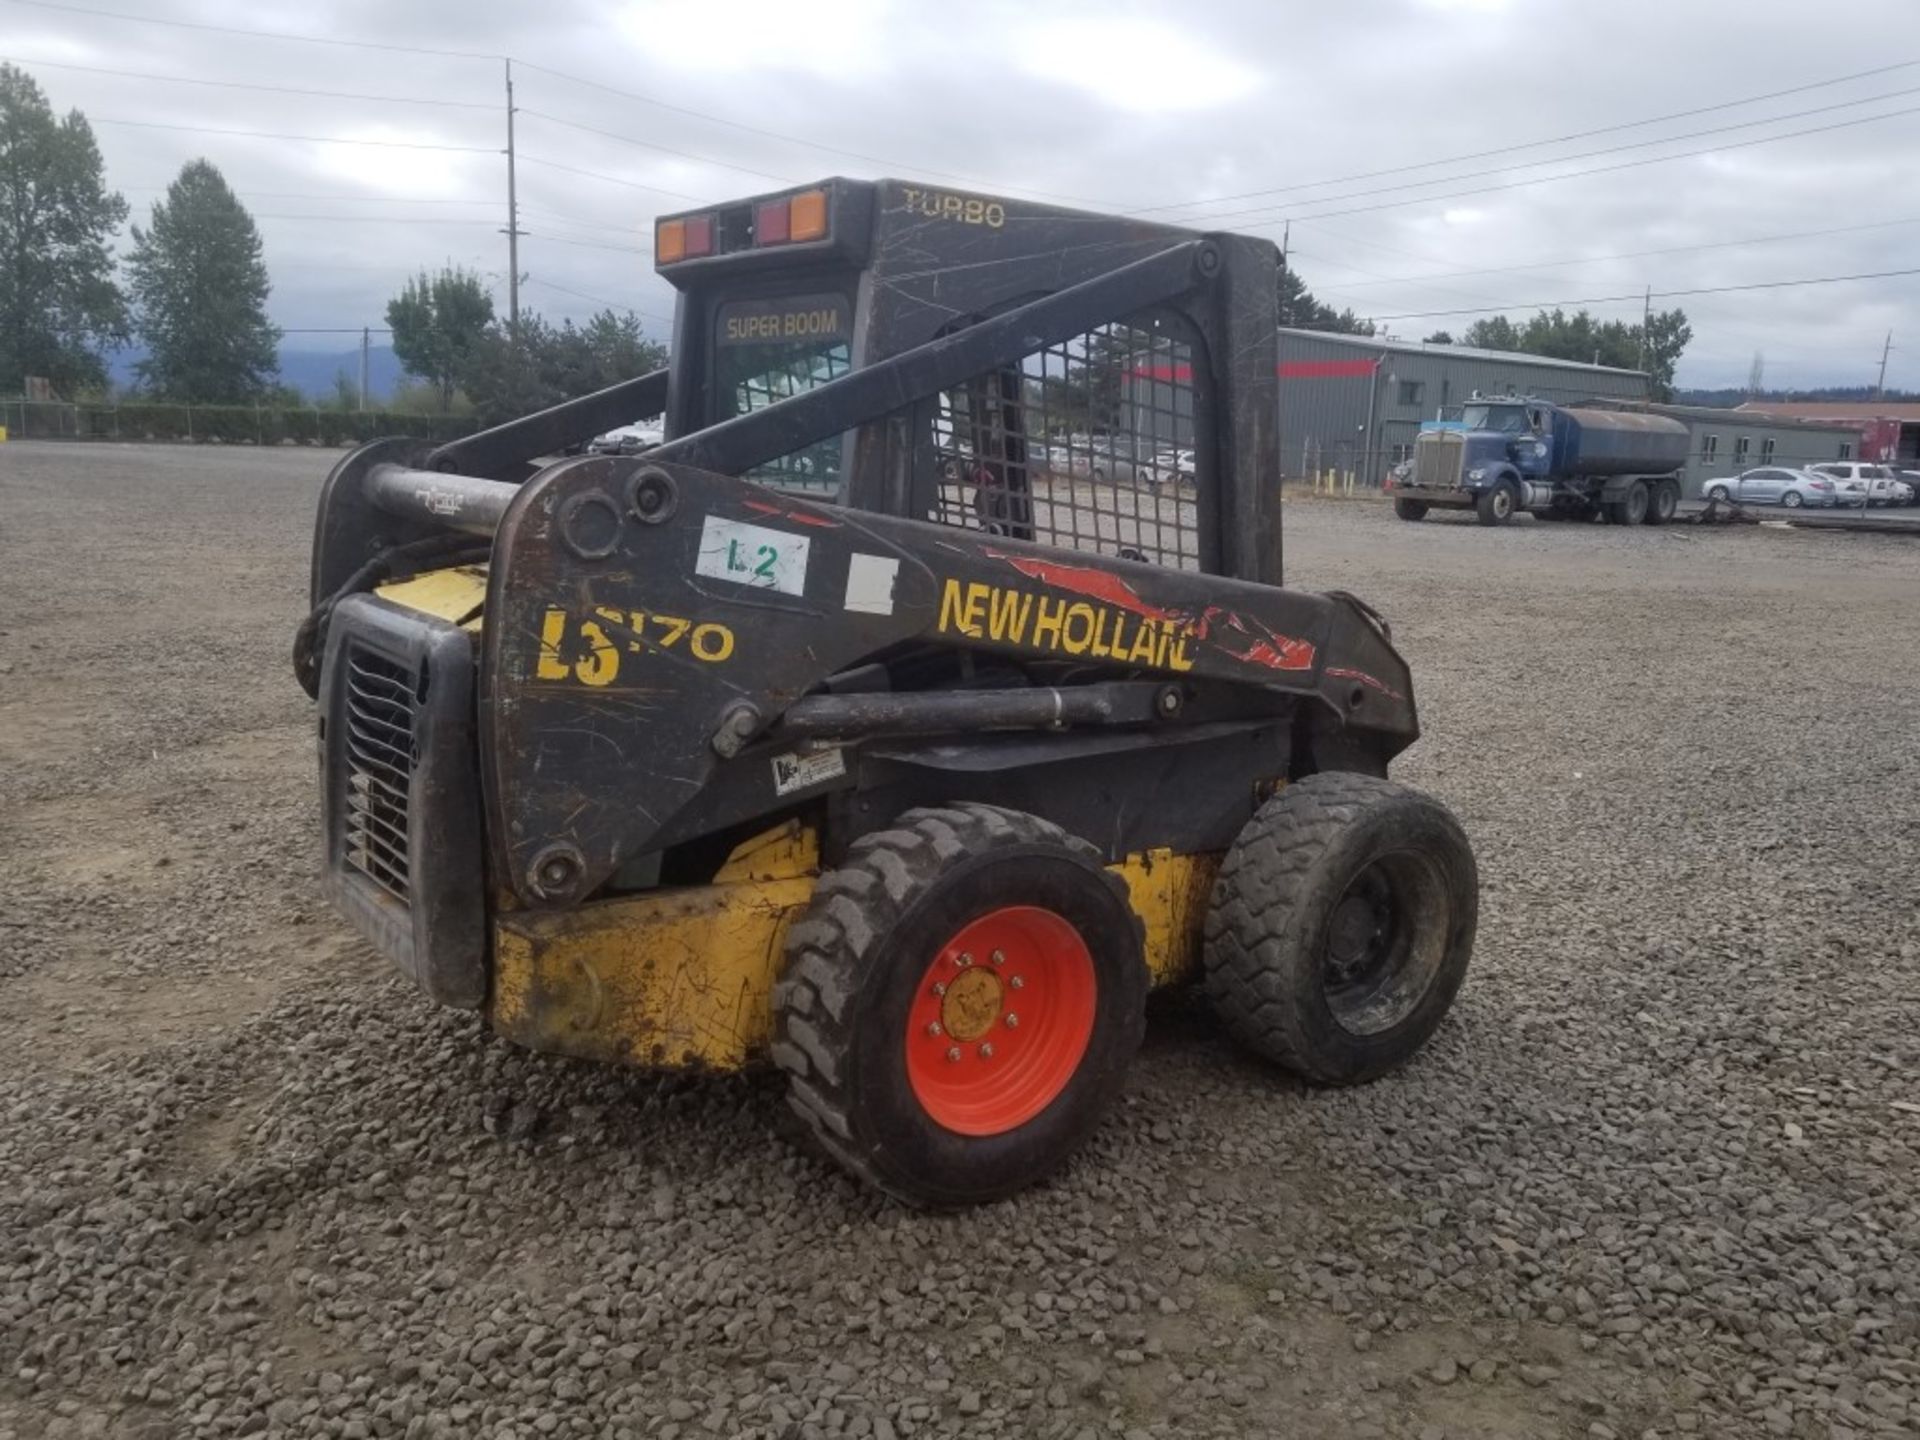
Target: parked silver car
<point x="1772" y="485"/>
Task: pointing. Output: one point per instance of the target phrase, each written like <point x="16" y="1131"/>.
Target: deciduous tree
<point x="59" y="305"/>
<point x="439" y="325"/>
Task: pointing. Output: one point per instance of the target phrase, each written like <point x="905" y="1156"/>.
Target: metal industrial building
<point x="1354" y="403"/>
<point x="1889" y="431"/>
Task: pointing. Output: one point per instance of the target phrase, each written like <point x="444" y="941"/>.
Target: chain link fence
<point x="221" y="424"/>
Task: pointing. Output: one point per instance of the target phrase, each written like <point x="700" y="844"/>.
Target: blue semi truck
<point x="1509" y="454"/>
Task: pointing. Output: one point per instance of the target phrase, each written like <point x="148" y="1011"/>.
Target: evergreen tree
<point x="201" y="288"/>
<point x="439" y="325"/>
<point x="58" y="302"/>
<point x="1299" y="310"/>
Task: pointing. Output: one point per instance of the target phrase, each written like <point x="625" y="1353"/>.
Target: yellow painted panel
<point x="671" y="979"/>
<point x="1169" y="893"/>
<point x="684" y="978"/>
<point x="776" y="854"/>
<point x="449" y="595"/>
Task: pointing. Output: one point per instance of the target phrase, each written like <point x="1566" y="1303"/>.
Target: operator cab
<point x="1097" y="443"/>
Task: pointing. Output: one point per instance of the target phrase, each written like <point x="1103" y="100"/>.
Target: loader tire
<point x="1341" y="925"/>
<point x="1410" y="509"/>
<point x="960" y="1004"/>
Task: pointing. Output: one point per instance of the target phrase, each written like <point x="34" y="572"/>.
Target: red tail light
<point x="770" y="222"/>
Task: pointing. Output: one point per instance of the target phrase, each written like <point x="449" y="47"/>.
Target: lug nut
<point x="1018" y="983"/>
<point x="999" y="957"/>
<point x="935" y="1030"/>
<point x="1013" y="1021"/>
<point x="986" y="1051"/>
<point x="939" y="987"/>
<point x="965" y="959"/>
<point x="953" y="1053"/>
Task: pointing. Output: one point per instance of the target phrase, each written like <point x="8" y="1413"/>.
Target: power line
<point x="1555" y="140"/>
<point x="541" y="211"/>
<point x="1573" y="174"/>
<point x="529" y="65"/>
<point x="1621" y="255"/>
<point x="526" y="159"/>
<point x="278" y="135"/>
<point x="1641" y="295"/>
<point x="663" y="149"/>
<point x="245" y="85"/>
<point x="1609" y="150"/>
<point x="599" y="300"/>
<point x="320" y="195"/>
<point x="589" y="244"/>
<point x="377" y="219"/>
<point x="254" y="34"/>
<point x="791" y="139"/>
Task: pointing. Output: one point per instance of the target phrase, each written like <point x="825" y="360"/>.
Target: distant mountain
<point x="1739" y="395"/>
<point x="310" y="372"/>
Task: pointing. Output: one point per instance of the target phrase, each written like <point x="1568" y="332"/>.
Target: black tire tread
<point x="832" y="948"/>
<point x="1257" y="898"/>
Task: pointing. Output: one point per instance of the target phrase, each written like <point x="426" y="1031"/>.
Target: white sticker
<point x="795" y="771"/>
<point x="870" y="583"/>
<point x="753" y="555"/>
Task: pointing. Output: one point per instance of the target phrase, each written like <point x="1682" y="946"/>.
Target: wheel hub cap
<point x="971" y="1004"/>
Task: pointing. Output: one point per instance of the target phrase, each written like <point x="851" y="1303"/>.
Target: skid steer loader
<point x="926" y="697"/>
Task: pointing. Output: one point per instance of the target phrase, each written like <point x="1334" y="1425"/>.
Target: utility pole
<point x="365" y="334"/>
<point x="1646" y="323"/>
<point x="1880" y="386"/>
<point x="513" y="225"/>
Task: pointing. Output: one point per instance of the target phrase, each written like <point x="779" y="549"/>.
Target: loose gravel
<point x="1655" y="1176"/>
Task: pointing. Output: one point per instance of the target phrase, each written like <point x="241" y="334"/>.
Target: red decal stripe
<point x="1288" y="370"/>
<point x="1084" y="580"/>
<point x="1261" y="646"/>
<point x="799" y="517"/>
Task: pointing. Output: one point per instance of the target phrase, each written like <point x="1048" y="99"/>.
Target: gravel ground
<point x="1655" y="1176"/>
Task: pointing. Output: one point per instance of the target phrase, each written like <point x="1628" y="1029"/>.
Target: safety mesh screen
<point x="1088" y="445"/>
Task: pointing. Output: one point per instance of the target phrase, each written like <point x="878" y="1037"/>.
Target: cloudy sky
<point x="1413" y="145"/>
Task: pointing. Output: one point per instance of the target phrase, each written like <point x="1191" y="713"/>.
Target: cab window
<point x="768" y="350"/>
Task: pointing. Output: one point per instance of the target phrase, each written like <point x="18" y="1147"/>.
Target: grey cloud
<point x="1335" y="90"/>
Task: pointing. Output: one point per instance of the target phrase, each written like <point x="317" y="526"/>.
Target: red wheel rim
<point x="1000" y="1021"/>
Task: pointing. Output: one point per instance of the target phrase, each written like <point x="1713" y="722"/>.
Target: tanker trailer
<point x="1513" y="454"/>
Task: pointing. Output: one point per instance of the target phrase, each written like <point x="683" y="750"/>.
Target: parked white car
<point x="1858" y="483"/>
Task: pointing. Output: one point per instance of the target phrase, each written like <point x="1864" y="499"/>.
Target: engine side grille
<point x="380" y="763"/>
<point x="1437" y="459"/>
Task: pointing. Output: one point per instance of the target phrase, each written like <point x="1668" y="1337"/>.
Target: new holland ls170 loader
<point x="924" y="699"/>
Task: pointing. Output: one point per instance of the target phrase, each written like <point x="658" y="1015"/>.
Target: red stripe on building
<point x="1289" y="370"/>
<point x="1325" y="369"/>
<point x="1161" y="372"/>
